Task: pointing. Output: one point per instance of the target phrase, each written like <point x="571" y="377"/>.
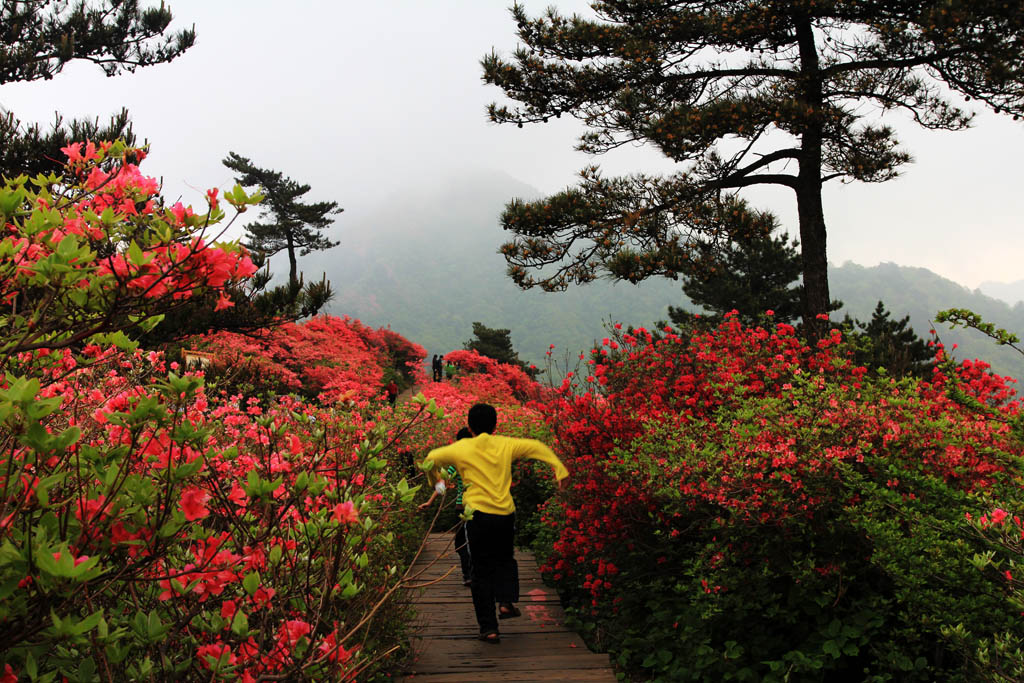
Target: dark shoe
<point x="491" y="637"/>
<point x="467" y="583"/>
<point x="508" y="611"/>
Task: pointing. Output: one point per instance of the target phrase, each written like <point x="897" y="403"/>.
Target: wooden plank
<point x="534" y="647"/>
<point x="504" y="657"/>
<point x="582" y="675"/>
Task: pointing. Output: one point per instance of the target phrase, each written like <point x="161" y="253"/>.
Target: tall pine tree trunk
<point x="808" y="188"/>
<point x="293" y="266"/>
<point x="814" y="255"/>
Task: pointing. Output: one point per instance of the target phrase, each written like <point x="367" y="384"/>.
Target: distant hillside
<point x="921" y="293"/>
<point x="426" y="263"/>
<point x="1010" y="292"/>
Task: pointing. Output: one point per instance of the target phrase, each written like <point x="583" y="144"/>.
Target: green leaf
<point x="135" y="254"/>
<point x="10" y="200"/>
<point x="155" y="628"/>
<point x="91" y="621"/>
<point x="83" y="567"/>
<point x="251" y="582"/>
<point x="240" y="624"/>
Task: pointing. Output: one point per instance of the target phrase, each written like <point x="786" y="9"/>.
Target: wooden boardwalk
<point x="534" y="647"/>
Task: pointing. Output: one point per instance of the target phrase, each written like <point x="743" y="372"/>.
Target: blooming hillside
<point x="327" y="357"/>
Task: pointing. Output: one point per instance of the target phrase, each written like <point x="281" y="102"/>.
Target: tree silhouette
<point x="495" y="343"/>
<point x="39" y="37"/>
<point x="752" y="275"/>
<point x="27" y="149"/>
<point x="288" y="224"/>
<point x="890" y="344"/>
<point x="760" y="92"/>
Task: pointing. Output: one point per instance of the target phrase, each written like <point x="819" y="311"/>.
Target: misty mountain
<point x="920" y="293"/>
<point x="1010" y="292"/>
<point x="427" y="264"/>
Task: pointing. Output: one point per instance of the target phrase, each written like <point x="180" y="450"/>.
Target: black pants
<point x="495" y="572"/>
<point x="462" y="548"/>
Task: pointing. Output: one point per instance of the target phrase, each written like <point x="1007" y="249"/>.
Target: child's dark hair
<point x="483" y="418"/>
<point x="464" y="433"/>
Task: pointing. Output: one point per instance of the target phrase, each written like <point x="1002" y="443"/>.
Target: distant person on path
<point x="485" y="465"/>
<point x="461" y="547"/>
<point x="392" y="390"/>
<point x="449" y="370"/>
<point x="437" y="368"/>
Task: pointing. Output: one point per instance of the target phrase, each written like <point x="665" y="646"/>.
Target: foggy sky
<point x="361" y="99"/>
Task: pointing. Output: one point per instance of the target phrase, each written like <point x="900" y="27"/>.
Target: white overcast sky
<point x="360" y="99"/>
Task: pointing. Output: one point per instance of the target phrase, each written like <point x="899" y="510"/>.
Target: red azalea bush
<point x="149" y="530"/>
<point x="746" y="507"/>
<point x="480" y="380"/>
<point x="507" y="378"/>
<point x="326" y="357"/>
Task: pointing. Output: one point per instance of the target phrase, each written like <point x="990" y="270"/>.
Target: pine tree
<point x="27" y="149"/>
<point x="254" y="309"/>
<point x="39" y="37"/>
<point x="494" y="343"/>
<point x="890" y="344"/>
<point x="288" y="224"/>
<point x="739" y="93"/>
<point x="751" y="275"/>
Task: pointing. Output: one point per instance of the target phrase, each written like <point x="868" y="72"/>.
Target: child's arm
<point x="433" y="495"/>
<point x="436" y="475"/>
<point x="535" y="450"/>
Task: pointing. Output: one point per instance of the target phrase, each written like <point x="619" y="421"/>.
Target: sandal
<point x="491" y="637"/>
<point x="508" y="611"/>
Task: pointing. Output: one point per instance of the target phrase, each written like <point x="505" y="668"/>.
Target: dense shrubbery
<point x="148" y="529"/>
<point x="326" y="357"/>
<point x="745" y="507"/>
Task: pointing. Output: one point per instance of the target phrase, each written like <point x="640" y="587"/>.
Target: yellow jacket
<point x="485" y="465"/>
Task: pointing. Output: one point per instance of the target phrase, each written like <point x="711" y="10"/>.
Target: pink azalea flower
<point x="193" y="503"/>
<point x="345" y="513"/>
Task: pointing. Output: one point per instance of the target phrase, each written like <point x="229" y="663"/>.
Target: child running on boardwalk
<point x="485" y="464"/>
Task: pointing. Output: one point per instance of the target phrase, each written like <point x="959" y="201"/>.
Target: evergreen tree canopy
<point x="27" y="149"/>
<point x="891" y="344"/>
<point x="739" y="94"/>
<point x="753" y="274"/>
<point x="288" y="224"/>
<point x="493" y="343"/>
<point x="252" y="310"/>
<point x="38" y="37"/>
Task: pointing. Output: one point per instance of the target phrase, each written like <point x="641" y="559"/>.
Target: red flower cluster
<point x="327" y="357"/>
<point x="148" y="525"/>
<point x="750" y="426"/>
